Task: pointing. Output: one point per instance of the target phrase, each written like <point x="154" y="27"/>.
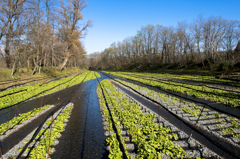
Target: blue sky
<point x="115" y="20"/>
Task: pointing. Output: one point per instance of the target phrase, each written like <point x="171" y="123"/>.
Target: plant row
<point x="39" y="90"/>
<point x="196" y="91"/>
<point x="152" y="139"/>
<point x="48" y="136"/>
<point x="194" y="110"/>
<point x="198" y="78"/>
<point x="189" y="108"/>
<point x="112" y="141"/>
<point x="20" y="119"/>
<point x="218" y="86"/>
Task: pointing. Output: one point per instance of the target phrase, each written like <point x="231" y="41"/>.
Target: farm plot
<point x="134" y="131"/>
<point x="215" y="95"/>
<point x="18" y="120"/>
<point x="203" y="81"/>
<point x="20" y="94"/>
<point x="4" y="85"/>
<point x="220" y="124"/>
<point x="40" y="142"/>
<point x="14" y="131"/>
<point x="194" y="78"/>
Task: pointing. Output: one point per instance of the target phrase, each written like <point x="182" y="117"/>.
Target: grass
<point x="178" y="70"/>
<point x="24" y="73"/>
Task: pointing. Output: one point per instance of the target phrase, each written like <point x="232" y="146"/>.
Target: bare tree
<point x="231" y="36"/>
<point x="206" y="41"/>
<point x="70" y="32"/>
<point x="10" y="12"/>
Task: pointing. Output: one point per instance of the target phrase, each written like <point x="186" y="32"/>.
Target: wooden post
<point x="180" y="95"/>
<point x="15" y="105"/>
<point x="1" y="149"/>
<point x="109" y="123"/>
<point x="41" y="103"/>
<point x="159" y="120"/>
<point x="49" y="138"/>
<point x="129" y="96"/>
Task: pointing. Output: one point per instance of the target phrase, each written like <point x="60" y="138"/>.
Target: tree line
<point x="41" y="33"/>
<point x="204" y="41"/>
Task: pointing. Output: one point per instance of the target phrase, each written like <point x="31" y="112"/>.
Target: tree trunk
<point x="7" y="52"/>
<point x="13" y="68"/>
<point x="28" y="63"/>
<point x="65" y="61"/>
<point x="35" y="66"/>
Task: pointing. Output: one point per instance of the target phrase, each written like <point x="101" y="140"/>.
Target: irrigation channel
<point x="86" y="130"/>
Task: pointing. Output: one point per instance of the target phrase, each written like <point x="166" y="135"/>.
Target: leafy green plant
<point x="44" y="145"/>
<point x="214" y="94"/>
<point x="20" y="119"/>
<point x="39" y="90"/>
<point x="151" y="140"/>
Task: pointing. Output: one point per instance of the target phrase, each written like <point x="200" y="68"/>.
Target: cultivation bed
<point x="168" y="104"/>
<point x="14" y="151"/>
<point x="217" y="85"/>
<point x="76" y="95"/>
<point x="87" y="129"/>
<point x="191" y="79"/>
<point x="215" y="95"/>
<point x="234" y="111"/>
<point x="17" y="83"/>
<point x="192" y="147"/>
<point x="209" y="119"/>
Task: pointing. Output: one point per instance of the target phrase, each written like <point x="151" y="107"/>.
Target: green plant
<point x="41" y="89"/>
<point x="214" y="94"/>
<point x="44" y="145"/>
<point x="141" y="126"/>
<point x="20" y="119"/>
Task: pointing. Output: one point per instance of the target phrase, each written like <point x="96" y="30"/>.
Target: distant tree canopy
<point x="204" y="42"/>
<point x="38" y="33"/>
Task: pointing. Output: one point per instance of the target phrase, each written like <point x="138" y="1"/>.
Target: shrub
<point x="223" y="66"/>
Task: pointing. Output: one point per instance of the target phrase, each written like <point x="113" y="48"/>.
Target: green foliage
<point x="217" y="95"/>
<point x="191" y="108"/>
<point x="39" y="90"/>
<point x="151" y="139"/>
<point x="230" y="130"/>
<point x="223" y="66"/>
<point x="44" y="145"/>
<point x="20" y="119"/>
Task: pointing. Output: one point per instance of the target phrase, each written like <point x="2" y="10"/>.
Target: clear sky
<point x="115" y="20"/>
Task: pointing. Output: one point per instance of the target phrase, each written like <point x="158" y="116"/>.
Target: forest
<point x="38" y="34"/>
<point x="211" y="43"/>
<point x="35" y="34"/>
